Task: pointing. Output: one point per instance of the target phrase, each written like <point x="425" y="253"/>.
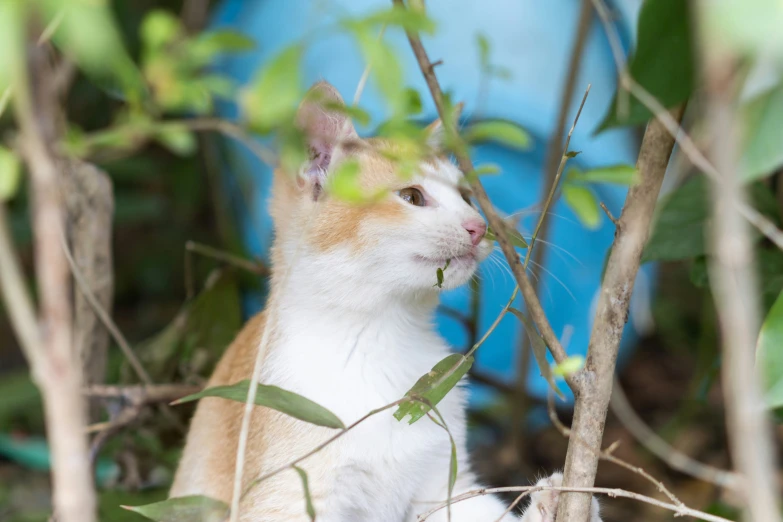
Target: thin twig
<point x="495" y="222"/>
<point x="611" y="492"/>
<point x="553" y="188"/>
<point x="658" y="446"/>
<point x="608" y="453"/>
<point x="103" y="315"/>
<point x="16" y="297"/>
<point x="192" y="247"/>
<point x="608" y="213"/>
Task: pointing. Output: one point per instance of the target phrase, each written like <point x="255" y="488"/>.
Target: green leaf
<point x="433" y="386"/>
<point x="569" y="367"/>
<point x="770" y="354"/>
<point x="483" y="45"/>
<point x="386" y="69"/>
<point x="679" y="229"/>
<point x="413" y="103"/>
<point x="762" y="150"/>
<point x="159" y="29"/>
<point x="582" y="201"/>
<point x="663" y="62"/>
<point x="12" y="25"/>
<point x="194" y="508"/>
<point x="212" y="43"/>
<point x="274" y="95"/>
<point x="357" y="114"/>
<point x="615" y="174"/>
<point x="408" y="19"/>
<point x="488" y="169"/>
<point x="306" y="488"/>
<point x="10" y="173"/>
<point x="275" y="398"/>
<point x="746" y="28"/>
<point x="178" y="139"/>
<point x="204" y="326"/>
<point x="89" y="35"/>
<point x="343" y="182"/>
<point x="539" y="350"/>
<point x="501" y="131"/>
<point x="439" y="274"/>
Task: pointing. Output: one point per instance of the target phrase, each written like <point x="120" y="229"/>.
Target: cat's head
<point x="392" y="245"/>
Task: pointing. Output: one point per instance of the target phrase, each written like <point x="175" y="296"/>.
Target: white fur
<point x="355" y="332"/>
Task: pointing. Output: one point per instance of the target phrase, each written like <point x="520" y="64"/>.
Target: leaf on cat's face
<point x="194" y="508"/>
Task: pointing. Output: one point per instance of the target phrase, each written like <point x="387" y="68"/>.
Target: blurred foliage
<point x="143" y="78"/>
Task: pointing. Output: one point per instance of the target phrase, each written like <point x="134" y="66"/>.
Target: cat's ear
<point x="436" y="133"/>
<point x="325" y="125"/>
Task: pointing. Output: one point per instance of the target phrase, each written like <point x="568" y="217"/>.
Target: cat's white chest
<point x="352" y="369"/>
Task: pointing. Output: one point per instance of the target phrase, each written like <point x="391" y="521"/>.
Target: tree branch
<point x="736" y="290"/>
<point x="56" y="369"/>
<point x="534" y="307"/>
<point x="593" y="398"/>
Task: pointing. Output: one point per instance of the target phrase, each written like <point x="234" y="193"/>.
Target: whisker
<point x="553" y="276"/>
<point x="556" y="247"/>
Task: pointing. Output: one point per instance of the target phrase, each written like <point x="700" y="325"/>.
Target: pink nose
<point x="476" y="228"/>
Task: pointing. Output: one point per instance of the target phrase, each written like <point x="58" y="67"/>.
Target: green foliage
<point x="500" y="131"/>
<point x="273" y="96"/>
<point x="11" y="42"/>
<point x="748" y="28"/>
<point x="615" y="174"/>
<point x="88" y="33"/>
<point x="433" y="386"/>
<point x="306" y="490"/>
<point x="763" y="142"/>
<point x="194" y="508"/>
<point x="539" y="350"/>
<point x="275" y="398"/>
<point x="582" y="201"/>
<point x="663" y="62"/>
<point x="569" y="367"/>
<point x="174" y="62"/>
<point x="10" y="173"/>
<point x="770" y="354"/>
<point x="408" y="19"/>
<point x="207" y="324"/>
<point x="679" y="230"/>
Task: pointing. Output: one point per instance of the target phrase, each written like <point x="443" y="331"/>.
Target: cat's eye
<point x="412" y="196"/>
<point x="466" y="196"/>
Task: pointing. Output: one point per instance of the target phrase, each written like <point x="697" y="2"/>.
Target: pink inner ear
<point x="324" y="129"/>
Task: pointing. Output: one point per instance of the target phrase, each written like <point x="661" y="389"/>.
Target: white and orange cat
<point x="354" y="297"/>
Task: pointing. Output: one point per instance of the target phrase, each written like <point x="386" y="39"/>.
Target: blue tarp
<point x="532" y="40"/>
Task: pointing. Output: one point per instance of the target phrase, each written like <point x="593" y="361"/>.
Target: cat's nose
<point x="476" y="228"/>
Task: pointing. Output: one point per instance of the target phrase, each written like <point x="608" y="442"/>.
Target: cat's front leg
<point x="543" y="504"/>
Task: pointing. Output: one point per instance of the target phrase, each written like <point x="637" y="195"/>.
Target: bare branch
<point x="610" y="492"/>
<point x="662" y="449"/>
<point x="615" y="298"/>
<point x="56" y="371"/>
<point x="736" y="291"/>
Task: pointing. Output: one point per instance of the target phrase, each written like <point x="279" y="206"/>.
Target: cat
<point x="354" y="294"/>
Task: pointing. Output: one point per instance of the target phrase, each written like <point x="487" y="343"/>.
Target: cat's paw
<point x="543" y="504"/>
